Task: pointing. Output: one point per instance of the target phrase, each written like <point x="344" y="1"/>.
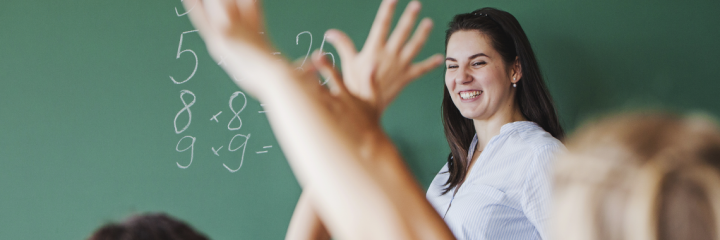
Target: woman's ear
<point x="516" y="71"/>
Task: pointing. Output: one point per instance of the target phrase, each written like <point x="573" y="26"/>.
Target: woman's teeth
<point x="469" y="94"/>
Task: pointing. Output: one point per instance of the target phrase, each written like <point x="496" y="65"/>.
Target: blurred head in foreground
<point x="148" y="227"/>
<point x="640" y="177"/>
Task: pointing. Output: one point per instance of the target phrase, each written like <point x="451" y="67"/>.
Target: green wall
<point x="87" y="106"/>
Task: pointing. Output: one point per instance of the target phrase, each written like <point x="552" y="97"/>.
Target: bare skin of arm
<point x="376" y="75"/>
<point x="363" y="190"/>
<point x="305" y="222"/>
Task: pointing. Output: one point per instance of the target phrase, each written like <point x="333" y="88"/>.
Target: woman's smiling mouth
<point x="467" y="95"/>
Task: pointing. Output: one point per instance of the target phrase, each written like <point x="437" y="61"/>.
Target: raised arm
<point x="376" y="75"/>
<point x="331" y="139"/>
<point x="305" y="223"/>
<point x="385" y="65"/>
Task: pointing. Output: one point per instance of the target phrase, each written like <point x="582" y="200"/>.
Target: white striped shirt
<point x="507" y="193"/>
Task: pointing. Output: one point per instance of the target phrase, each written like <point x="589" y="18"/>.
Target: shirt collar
<point x="505" y="129"/>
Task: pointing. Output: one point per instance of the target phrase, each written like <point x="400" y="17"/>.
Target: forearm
<point x="324" y="136"/>
<point x="319" y="158"/>
<point x="357" y="190"/>
<point x="409" y="197"/>
<point x="305" y="223"/>
<point x="364" y="185"/>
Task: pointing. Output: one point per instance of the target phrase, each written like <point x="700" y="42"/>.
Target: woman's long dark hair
<point x="532" y="96"/>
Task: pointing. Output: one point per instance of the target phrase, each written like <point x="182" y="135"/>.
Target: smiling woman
<point x="502" y="128"/>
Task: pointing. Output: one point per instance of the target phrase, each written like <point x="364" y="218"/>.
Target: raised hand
<point x="331" y="138"/>
<point x="384" y="67"/>
<point x="233" y="31"/>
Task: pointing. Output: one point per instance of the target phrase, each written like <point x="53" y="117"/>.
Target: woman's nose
<point x="463" y="76"/>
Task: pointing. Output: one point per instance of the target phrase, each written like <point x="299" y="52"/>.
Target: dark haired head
<point x="532" y="96"/>
<point x="148" y="227"/>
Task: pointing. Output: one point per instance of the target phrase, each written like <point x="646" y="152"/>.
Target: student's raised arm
<point x="332" y="139"/>
<point x="376" y="75"/>
<point x="305" y="223"/>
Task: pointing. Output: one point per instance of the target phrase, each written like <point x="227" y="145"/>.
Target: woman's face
<point x="477" y="78"/>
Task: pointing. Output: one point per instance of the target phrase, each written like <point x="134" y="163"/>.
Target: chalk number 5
<point x="180" y="52"/>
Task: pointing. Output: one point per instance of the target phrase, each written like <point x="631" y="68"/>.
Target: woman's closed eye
<point x="477" y="64"/>
<point x="474" y="64"/>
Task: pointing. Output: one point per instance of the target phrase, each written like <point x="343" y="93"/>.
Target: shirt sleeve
<point x="537" y="191"/>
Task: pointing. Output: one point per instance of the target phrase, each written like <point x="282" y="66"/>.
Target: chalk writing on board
<point x="326" y="53"/>
<point x="264" y="147"/>
<point x="332" y="56"/>
<point x="216" y="151"/>
<point x="231" y="149"/>
<point x="214" y="117"/>
<point x="237" y="113"/>
<point x="297" y="42"/>
<point x="191" y="147"/>
<point x="186" y="12"/>
<point x="180" y="52"/>
<point x="184" y="109"/>
<point x="239" y="142"/>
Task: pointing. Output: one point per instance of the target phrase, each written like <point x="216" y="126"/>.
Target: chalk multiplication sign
<point x="236" y="104"/>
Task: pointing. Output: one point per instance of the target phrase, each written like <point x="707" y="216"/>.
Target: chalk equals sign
<point x="265" y="147"/>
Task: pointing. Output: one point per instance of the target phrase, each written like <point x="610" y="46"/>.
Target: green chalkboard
<point x="89" y="114"/>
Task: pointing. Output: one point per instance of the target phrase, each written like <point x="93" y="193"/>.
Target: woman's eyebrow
<point x="471" y="57"/>
<point x="478" y="55"/>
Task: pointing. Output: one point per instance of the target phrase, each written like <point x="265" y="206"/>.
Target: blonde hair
<point x="640" y="176"/>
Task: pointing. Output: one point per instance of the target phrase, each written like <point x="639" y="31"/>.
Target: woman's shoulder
<point x="437" y="186"/>
<point x="533" y="137"/>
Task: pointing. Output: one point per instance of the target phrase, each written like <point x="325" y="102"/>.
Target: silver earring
<point x="514" y="85"/>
